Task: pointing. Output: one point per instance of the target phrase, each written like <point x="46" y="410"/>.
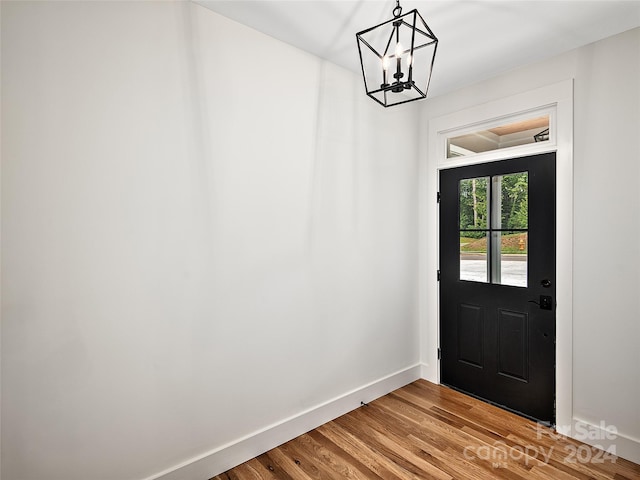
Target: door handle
<point x="545" y="303"/>
<point x="546" y="283"/>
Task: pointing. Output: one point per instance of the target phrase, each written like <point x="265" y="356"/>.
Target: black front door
<point x="497" y="288"/>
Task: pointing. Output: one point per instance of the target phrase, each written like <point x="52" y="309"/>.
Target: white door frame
<point x="557" y="99"/>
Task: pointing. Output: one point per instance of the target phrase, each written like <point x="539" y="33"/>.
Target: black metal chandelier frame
<point x="391" y="83"/>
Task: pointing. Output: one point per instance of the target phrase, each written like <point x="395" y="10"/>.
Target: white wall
<point x="606" y="290"/>
<point x="205" y="231"/>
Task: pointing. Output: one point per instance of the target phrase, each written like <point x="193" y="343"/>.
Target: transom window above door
<point x="512" y="133"/>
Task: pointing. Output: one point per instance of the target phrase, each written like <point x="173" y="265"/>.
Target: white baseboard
<point x="228" y="456"/>
<point x="607" y="438"/>
<point x="429" y="373"/>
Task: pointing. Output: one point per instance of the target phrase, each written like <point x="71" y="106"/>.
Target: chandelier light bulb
<point x="399" y="50"/>
<point x="385" y="63"/>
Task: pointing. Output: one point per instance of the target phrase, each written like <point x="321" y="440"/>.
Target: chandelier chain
<point x="398" y="10"/>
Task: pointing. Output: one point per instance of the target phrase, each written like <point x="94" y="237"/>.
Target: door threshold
<point x="546" y="423"/>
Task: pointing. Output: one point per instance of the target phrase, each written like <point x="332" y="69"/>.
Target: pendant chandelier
<point x="397" y="58"/>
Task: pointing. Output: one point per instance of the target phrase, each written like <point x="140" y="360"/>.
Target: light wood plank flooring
<point x="426" y="431"/>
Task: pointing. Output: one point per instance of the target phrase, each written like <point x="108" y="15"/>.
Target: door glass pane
<point x="513" y="259"/>
<point x="510" y="216"/>
<point x="493" y="222"/>
<point x="473" y="220"/>
<point x="514" y="201"/>
<point x="473" y="257"/>
<point x="473" y="203"/>
<point x="531" y="130"/>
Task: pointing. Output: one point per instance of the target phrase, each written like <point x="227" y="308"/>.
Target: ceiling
<point x="478" y="39"/>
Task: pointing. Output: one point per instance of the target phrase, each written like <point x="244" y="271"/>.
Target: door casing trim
<point x="557" y="99"/>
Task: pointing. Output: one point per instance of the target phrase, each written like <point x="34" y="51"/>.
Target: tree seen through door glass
<point x="474" y="217"/>
<point x="493" y="224"/>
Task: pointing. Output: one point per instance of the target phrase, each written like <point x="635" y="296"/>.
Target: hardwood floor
<point x="426" y="431"/>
